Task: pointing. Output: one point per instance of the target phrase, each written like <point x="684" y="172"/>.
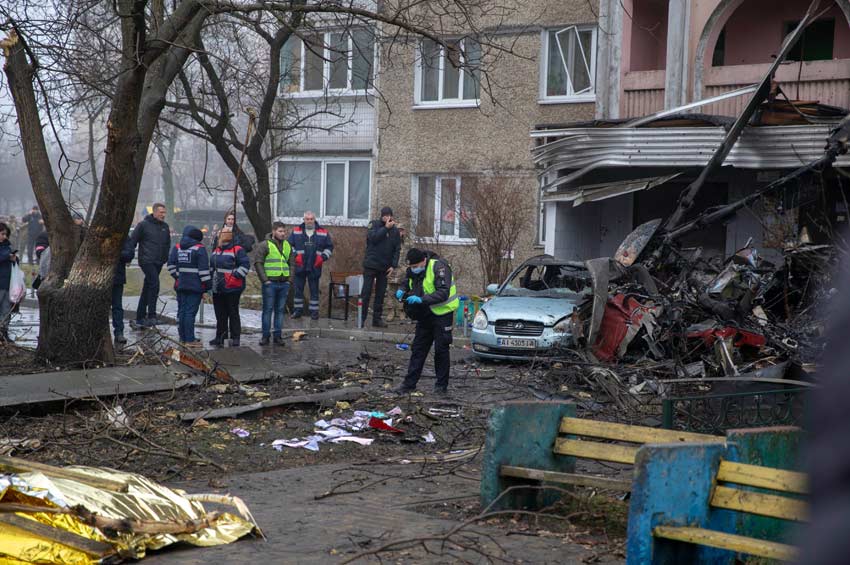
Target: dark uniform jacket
<point x="442" y="287"/>
<point x="154" y="240"/>
<point x="382" y="247"/>
<point x="310" y="252"/>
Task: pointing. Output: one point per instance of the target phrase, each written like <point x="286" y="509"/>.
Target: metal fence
<point x="716" y="413"/>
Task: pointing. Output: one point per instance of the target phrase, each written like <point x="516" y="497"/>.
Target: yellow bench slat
<point x="758" y="503"/>
<point x="595" y="450"/>
<point x="566" y="478"/>
<point x="732" y="542"/>
<point x="763" y="477"/>
<point x="631" y="434"/>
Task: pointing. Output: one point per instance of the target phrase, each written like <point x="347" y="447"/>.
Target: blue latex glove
<point x="399" y="294"/>
<point x="414" y="300"/>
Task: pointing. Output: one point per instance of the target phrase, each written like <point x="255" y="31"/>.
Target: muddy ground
<point x="159" y="444"/>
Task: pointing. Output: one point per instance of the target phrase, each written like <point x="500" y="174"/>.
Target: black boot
<point x="234" y="342"/>
<point x="297" y="314"/>
<point x="264" y="340"/>
<point x="278" y="340"/>
<point x="216" y="341"/>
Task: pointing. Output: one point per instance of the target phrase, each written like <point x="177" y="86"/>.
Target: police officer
<point x="431" y="299"/>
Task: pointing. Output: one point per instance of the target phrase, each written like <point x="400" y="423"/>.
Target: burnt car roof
<point x="544" y="260"/>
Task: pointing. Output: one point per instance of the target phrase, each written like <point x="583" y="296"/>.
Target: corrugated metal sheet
<point x="834" y="92"/>
<point x="578" y="151"/>
<point x="642" y="102"/>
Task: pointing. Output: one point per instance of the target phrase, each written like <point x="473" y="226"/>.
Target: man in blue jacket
<point x="189" y="264"/>
<point x="153" y="236"/>
<point x="313" y="246"/>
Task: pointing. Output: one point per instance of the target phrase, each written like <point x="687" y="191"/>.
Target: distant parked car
<point x="529" y="314"/>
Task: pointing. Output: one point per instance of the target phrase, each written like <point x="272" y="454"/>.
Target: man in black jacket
<point x="153" y="237"/>
<point x="383" y="244"/>
<point x="35" y="226"/>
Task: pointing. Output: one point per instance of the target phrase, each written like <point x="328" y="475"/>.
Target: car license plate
<point x="516" y="342"/>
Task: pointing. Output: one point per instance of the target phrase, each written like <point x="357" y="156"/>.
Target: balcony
<point x="827" y="82"/>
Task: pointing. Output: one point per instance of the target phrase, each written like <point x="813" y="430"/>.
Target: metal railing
<point x="716" y="413"/>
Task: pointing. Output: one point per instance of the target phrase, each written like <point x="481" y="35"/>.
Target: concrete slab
<point x="244" y="364"/>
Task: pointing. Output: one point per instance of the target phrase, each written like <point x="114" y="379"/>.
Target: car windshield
<point x="549" y="281"/>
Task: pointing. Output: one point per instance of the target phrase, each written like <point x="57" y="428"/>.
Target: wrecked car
<point x="530" y="312"/>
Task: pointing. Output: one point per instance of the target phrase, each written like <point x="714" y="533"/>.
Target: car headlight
<point x="563" y="326"/>
<point x="480" y="321"/>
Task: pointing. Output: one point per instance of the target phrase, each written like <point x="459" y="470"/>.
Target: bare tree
<point x="496" y="211"/>
<point x="49" y="45"/>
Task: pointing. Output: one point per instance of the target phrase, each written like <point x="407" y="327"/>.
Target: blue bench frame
<point x="673" y="485"/>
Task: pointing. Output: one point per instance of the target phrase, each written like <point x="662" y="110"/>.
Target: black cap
<point x="415" y="256"/>
<point x="386" y="211"/>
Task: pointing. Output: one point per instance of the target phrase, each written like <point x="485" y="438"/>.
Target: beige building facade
<point x="435" y="138"/>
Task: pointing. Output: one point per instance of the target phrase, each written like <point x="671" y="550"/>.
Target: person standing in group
<point x="189" y="264"/>
<point x="272" y="266"/>
<point x="383" y="244"/>
<point x="153" y="236"/>
<point x="35" y="226"/>
<point x="431" y="299"/>
<point x="230" y="265"/>
<point x="313" y="246"/>
<point x="8" y="257"/>
<point x="244" y="240"/>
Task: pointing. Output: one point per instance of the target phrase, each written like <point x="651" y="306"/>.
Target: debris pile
<point x="695" y="317"/>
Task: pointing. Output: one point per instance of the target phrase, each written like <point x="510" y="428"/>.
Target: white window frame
<point x="459" y="102"/>
<point x="343" y="220"/>
<point x="454" y="239"/>
<point x="326" y="69"/>
<point x="544" y="68"/>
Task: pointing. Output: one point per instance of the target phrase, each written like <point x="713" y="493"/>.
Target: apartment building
<point x="601" y="180"/>
<point x="418" y="126"/>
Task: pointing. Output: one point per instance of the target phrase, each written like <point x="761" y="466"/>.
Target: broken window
<point x="570" y="62"/>
<point x="817" y="43"/>
<point x="333" y="188"/>
<point x="448" y="74"/>
<point x="442" y="208"/>
<point x="338" y="61"/>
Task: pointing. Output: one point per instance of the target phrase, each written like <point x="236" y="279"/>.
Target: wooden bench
<point x="698" y="503"/>
<point x="538" y="442"/>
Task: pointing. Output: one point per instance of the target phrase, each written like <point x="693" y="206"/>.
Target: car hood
<point x="546" y="310"/>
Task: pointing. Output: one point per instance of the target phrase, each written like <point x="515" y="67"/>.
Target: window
<point x="336" y="189"/>
<point x="569" y="69"/>
<point x="337" y="61"/>
<point x="448" y="77"/>
<point x="817" y="42"/>
<point x="442" y="210"/>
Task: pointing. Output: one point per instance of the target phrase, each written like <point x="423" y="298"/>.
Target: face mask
<point x="416" y="270"/>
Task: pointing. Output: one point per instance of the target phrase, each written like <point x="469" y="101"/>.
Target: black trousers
<point x="227" y="322"/>
<point x="436" y="330"/>
<point x="378" y="279"/>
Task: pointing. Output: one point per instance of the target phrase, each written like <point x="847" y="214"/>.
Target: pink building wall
<point x="648" y="46"/>
<point x="755" y="30"/>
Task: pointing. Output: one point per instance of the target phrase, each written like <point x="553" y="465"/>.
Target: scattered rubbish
<point x="445" y="412"/>
<point x="429" y="437"/>
<point x="382" y="425"/>
<point x="343" y="405"/>
<point x="9" y="445"/>
<point x="219" y="388"/>
<point x="240" y="432"/>
<point x="355" y="439"/>
<point x="310" y="443"/>
<point x="397" y="411"/>
<point x="119" y="419"/>
<point x="402" y="346"/>
<point x="298" y="336"/>
<point x="331" y="396"/>
<point x="195" y="362"/>
<point x="200" y="423"/>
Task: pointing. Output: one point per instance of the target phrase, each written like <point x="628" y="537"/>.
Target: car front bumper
<point x="485" y="343"/>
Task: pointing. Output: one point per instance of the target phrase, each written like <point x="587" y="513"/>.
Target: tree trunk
<point x="166" y="162"/>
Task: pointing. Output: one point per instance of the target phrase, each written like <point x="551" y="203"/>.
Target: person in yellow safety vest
<point x="272" y="266"/>
<point x="431" y="299"/>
